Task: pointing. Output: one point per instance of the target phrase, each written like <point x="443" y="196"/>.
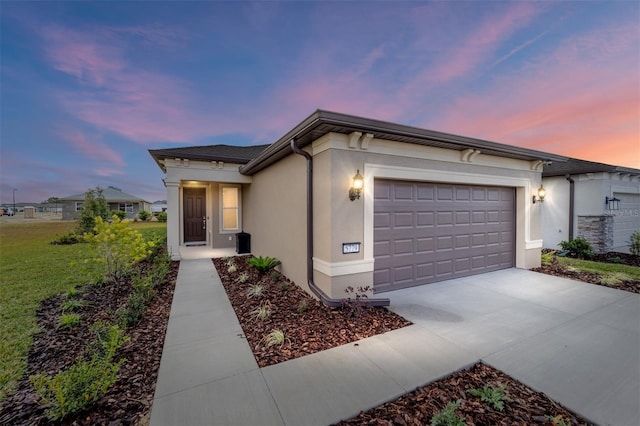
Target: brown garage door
<point x="428" y="232"/>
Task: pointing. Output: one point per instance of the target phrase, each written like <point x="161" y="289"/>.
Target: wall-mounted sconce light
<point x="612" y="203"/>
<point x="356" y="188"/>
<point x="541" y="194"/>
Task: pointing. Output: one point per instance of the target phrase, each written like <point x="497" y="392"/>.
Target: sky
<point x="87" y="88"/>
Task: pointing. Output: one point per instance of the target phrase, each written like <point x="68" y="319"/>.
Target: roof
<point x="110" y="195"/>
<point x="224" y="153"/>
<point x="573" y="166"/>
<point x="322" y="122"/>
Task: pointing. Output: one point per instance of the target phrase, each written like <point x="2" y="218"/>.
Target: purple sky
<point x="88" y="87"/>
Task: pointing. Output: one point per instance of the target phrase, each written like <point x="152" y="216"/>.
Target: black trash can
<point x="243" y="243"/>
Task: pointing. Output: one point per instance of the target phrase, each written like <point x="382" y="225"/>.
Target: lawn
<point x="604" y="269"/>
<point x="32" y="270"/>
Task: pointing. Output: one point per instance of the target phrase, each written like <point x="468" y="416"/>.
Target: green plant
<point x="548" y="258"/>
<point x="243" y="277"/>
<point x="255" y="290"/>
<point x="71" y="292"/>
<point x="66" y="239"/>
<point x="119" y="214"/>
<point x="162" y="217"/>
<point x="68" y="321"/>
<point x="634" y="243"/>
<point x="275" y="337"/>
<point x="144" y="215"/>
<point x="108" y="339"/>
<point x="448" y="417"/>
<point x="494" y="396"/>
<point x="578" y="247"/>
<point x="284" y="285"/>
<point x="275" y="276"/>
<point x="72" y="305"/>
<point x="76" y="388"/>
<point x="303" y="305"/>
<point x="94" y="206"/>
<point x="232" y="268"/>
<point x="263" y="311"/>
<point x="614" y="279"/>
<point x="263" y="264"/>
<point x="117" y="247"/>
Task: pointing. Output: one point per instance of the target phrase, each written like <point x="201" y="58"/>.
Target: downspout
<point x="571" y="204"/>
<point x="328" y="301"/>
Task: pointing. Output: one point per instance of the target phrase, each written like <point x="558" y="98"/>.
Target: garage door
<point x="626" y="220"/>
<point x="428" y="232"/>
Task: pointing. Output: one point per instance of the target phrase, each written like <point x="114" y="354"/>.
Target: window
<point x="126" y="207"/>
<point x="229" y="209"/>
<point x="79" y="206"/>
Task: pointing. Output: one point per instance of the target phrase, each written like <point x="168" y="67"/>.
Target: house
<point x="596" y="201"/>
<point x="115" y="198"/>
<point x="159" y="206"/>
<point x="424" y="206"/>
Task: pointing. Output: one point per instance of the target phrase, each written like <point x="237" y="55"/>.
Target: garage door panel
<point x="427" y="232"/>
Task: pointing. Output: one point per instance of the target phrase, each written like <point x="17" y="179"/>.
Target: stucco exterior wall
<point x="590" y="192"/>
<point x="274" y="213"/>
<point x="352" y="221"/>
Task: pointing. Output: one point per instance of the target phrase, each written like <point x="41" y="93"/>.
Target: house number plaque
<point x="350" y="248"/>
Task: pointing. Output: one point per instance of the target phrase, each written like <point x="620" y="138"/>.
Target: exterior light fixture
<point x="541" y="194"/>
<point x="356" y="188"/>
<point x="612" y="203"/>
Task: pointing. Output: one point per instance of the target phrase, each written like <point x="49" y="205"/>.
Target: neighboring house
<point x="159" y="206"/>
<point x="433" y="206"/>
<point x="115" y="198"/>
<point x="603" y="207"/>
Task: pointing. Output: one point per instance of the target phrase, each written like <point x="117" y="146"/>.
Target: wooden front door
<point x="195" y="215"/>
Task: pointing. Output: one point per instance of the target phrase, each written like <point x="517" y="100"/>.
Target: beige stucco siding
<point x="274" y="213"/>
<point x="352" y="221"/>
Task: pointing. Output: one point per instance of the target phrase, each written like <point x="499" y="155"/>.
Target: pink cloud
<point x="92" y="149"/>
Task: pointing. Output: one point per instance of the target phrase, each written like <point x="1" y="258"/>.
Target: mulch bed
<point x="527" y="407"/>
<point x="129" y="400"/>
<point x="307" y="331"/>
<point x="555" y="268"/>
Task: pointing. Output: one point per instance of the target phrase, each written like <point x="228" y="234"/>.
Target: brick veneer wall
<point x="598" y="230"/>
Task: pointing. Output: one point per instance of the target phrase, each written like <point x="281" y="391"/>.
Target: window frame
<point x="125" y="207"/>
<point x="79" y="205"/>
<point x="237" y="208"/>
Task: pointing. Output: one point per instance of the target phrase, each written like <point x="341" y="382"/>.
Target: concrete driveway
<point x="578" y="343"/>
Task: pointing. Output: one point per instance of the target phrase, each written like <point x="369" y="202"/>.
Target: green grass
<point x="607" y="270"/>
<point x="32" y="270"/>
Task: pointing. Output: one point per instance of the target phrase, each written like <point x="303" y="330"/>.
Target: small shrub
<point x="355" y="301"/>
<point x="548" y="258"/>
<point x="76" y="388"/>
<point x="67" y="239"/>
<point x="578" y="247"/>
<point x="68" y="321"/>
<point x="72" y="292"/>
<point x="255" y="290"/>
<point x="108" y="339"/>
<point x="634" y="243"/>
<point x="303" y="305"/>
<point x="263" y="264"/>
<point x="162" y="217"/>
<point x="275" y="276"/>
<point x="144" y="215"/>
<point x="243" y="277"/>
<point x="263" y="311"/>
<point x="448" y="417"/>
<point x="559" y="420"/>
<point x="72" y="305"/>
<point x="494" y="396"/>
<point x="119" y="214"/>
<point x="276" y="337"/>
<point x="614" y="279"/>
<point x="284" y="285"/>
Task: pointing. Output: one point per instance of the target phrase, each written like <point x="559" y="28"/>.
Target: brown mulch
<point x="527" y="407"/>
<point x="633" y="286"/>
<point x="307" y="331"/>
<point x="129" y="400"/>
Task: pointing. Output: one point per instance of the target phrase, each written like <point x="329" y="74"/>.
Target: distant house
<point x="159" y="206"/>
<point x="595" y="201"/>
<point x="116" y="199"/>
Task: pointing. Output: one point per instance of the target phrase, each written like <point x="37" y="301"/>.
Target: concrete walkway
<point x="578" y="343"/>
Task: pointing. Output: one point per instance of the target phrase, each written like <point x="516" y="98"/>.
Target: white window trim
<point x="221" y="209"/>
<point x="79" y="206"/>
